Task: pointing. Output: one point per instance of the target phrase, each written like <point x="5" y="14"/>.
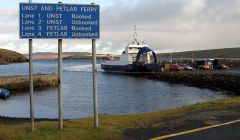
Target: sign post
<point x="31" y="84"/>
<point x="94" y="70"/>
<point x="60" y="113"/>
<point x="60" y="21"/>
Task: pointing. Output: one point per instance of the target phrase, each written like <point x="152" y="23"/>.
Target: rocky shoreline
<point x="15" y="120"/>
<point x="21" y="83"/>
<point x="215" y="81"/>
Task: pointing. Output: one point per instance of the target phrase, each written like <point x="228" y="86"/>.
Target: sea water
<point x="118" y="94"/>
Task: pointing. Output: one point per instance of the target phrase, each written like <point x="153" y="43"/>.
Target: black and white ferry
<point x="136" y="58"/>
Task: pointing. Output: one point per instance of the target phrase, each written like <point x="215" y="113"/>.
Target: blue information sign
<point x="52" y="21"/>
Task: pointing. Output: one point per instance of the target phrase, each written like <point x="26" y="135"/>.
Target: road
<point x="227" y="132"/>
<point x="211" y="124"/>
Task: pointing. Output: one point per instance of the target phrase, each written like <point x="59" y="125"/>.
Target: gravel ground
<point x="228" y="71"/>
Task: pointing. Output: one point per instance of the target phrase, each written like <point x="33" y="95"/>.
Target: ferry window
<point x="123" y="52"/>
<point x="130" y="48"/>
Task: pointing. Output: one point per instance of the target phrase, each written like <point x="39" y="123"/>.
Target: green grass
<point x="112" y="127"/>
<point x="11" y="56"/>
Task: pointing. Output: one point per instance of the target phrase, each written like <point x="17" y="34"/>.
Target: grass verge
<point x="112" y="127"/>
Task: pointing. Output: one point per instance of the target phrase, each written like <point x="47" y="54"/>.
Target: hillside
<point x="214" y="53"/>
<point x="7" y="56"/>
<point x="66" y="55"/>
<point x="87" y="56"/>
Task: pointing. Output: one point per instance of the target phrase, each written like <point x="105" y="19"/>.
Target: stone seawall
<point x="227" y="82"/>
<point x="19" y="83"/>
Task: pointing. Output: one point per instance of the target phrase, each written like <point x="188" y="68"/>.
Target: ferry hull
<point x="131" y="68"/>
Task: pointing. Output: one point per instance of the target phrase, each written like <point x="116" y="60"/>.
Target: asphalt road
<point x="212" y="124"/>
<point x="227" y="132"/>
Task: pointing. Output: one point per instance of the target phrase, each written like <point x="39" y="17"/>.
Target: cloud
<point x="8" y="17"/>
<point x="110" y="48"/>
<point x="145" y="12"/>
<point x="193" y="6"/>
<point x="175" y="24"/>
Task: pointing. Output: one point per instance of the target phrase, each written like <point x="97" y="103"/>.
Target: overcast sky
<point x="166" y="25"/>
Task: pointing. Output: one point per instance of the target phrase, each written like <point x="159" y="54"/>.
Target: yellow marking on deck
<point x="194" y="130"/>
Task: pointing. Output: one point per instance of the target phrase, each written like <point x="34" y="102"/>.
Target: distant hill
<point x="65" y="55"/>
<point x="53" y="53"/>
<point x="7" y="56"/>
<point x="87" y="56"/>
<point x="213" y="53"/>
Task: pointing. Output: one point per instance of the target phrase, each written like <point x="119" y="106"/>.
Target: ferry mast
<point x="135" y="35"/>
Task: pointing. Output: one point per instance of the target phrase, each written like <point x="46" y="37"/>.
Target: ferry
<point x="136" y="58"/>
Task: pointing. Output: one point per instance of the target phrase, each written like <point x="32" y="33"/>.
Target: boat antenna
<point x="135" y="34"/>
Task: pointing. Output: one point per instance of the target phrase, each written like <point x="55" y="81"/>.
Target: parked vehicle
<point x="186" y="67"/>
<point x="204" y="64"/>
<point x="221" y="67"/>
<point x="175" y="67"/>
<point x="4" y="93"/>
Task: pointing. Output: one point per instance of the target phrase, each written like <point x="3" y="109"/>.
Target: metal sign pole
<point x="31" y="83"/>
<point x="94" y="70"/>
<point x="60" y="84"/>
